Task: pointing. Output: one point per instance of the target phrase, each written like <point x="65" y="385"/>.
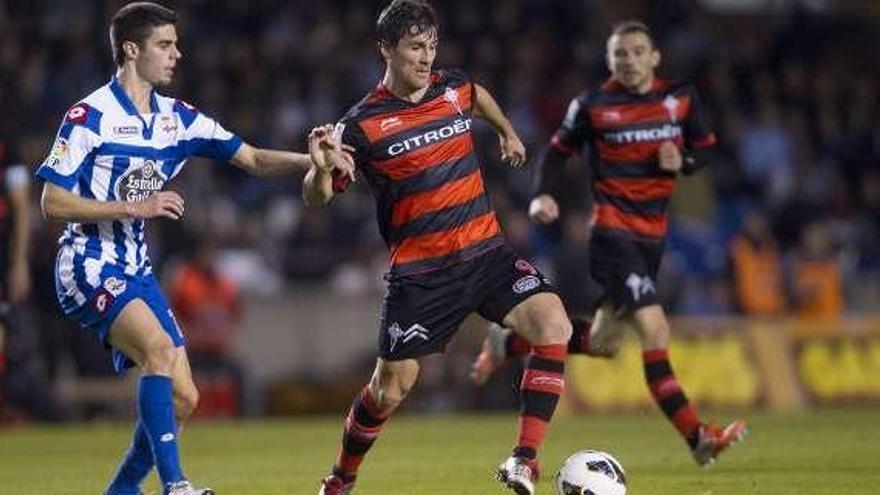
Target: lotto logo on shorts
<point x="526" y="284"/>
<point x="102" y="301"/>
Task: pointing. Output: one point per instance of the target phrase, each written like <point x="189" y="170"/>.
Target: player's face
<point x="411" y="60"/>
<point x="158" y="56"/>
<point x="632" y="60"/>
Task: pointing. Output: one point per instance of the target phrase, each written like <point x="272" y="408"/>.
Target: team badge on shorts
<point x="115" y="286"/>
<point x="640" y="286"/>
<point x="398" y="334"/>
<point x="525" y="267"/>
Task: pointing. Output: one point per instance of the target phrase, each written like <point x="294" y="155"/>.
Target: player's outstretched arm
<point x="62" y="205"/>
<point x="266" y="163"/>
<point x="486" y="108"/>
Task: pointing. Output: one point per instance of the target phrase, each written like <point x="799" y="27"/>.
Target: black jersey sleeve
<point x="697" y="128"/>
<point x="348" y="132"/>
<point x="575" y="129"/>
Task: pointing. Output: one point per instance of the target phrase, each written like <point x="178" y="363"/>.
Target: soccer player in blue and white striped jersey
<point x="114" y="153"/>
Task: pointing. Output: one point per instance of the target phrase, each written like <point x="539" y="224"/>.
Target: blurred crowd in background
<point x="785" y="220"/>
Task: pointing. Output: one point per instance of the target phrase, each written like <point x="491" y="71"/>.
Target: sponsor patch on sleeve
<point x="78" y="114"/>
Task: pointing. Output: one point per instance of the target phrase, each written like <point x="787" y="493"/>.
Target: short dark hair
<point x="634" y="26"/>
<point x="134" y="22"/>
<point x="400" y="16"/>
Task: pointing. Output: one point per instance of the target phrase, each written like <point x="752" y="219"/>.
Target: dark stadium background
<point x="792" y="88"/>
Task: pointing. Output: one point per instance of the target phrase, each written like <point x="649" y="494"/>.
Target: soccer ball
<point x="590" y="472"/>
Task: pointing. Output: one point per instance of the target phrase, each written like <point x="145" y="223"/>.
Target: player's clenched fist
<point x="161" y="204"/>
<point x="328" y="154"/>
<point x="670" y="157"/>
<point x="544" y="209"/>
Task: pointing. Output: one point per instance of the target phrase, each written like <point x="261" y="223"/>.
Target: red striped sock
<point x="362" y="427"/>
<point x="579" y="343"/>
<point x="667" y="393"/>
<point x="542" y="384"/>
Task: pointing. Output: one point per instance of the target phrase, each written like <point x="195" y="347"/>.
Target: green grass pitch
<point x="824" y="452"/>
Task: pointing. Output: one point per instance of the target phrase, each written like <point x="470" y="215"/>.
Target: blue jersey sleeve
<point x="77" y="139"/>
<point x="205" y="137"/>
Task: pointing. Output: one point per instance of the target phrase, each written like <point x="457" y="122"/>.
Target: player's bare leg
<point x="601" y="337"/>
<point x="705" y="440"/>
<point x="541" y="320"/>
<point x="389" y="386"/>
<point x="607" y="333"/>
<point x="186" y="395"/>
<point x="139" y="335"/>
<point x="495" y="351"/>
<point x="139" y="459"/>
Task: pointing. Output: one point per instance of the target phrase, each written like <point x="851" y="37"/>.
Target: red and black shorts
<point x="626" y="269"/>
<point x="422" y="312"/>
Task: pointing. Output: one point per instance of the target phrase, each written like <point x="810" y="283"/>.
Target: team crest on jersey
<point x="671" y="106"/>
<point x="451" y="96"/>
<point x="140" y="183"/>
<point x="168" y="124"/>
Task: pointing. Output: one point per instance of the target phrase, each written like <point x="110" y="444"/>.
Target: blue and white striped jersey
<point x="105" y="150"/>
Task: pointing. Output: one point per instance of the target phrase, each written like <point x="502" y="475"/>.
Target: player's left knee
<point x="555" y="328"/>
<point x="186" y="403"/>
<point x="389" y="396"/>
<point x="656" y="336"/>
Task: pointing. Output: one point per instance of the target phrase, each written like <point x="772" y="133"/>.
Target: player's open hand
<point x="544" y="209"/>
<point x="512" y="150"/>
<point x="670" y="157"/>
<point x="167" y="204"/>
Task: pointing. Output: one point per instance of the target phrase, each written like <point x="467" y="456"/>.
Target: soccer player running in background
<point x="412" y="143"/>
<point x="15" y="227"/>
<point x="643" y="132"/>
<point x="113" y="155"/>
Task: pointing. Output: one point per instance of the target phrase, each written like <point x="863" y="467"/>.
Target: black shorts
<point x="422" y="312"/>
<point x="626" y="269"/>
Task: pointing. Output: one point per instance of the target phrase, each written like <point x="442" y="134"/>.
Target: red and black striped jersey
<point x="419" y="161"/>
<point x="625" y="131"/>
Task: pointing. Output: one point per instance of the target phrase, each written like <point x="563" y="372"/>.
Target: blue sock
<point x="136" y="465"/>
<point x="156" y="410"/>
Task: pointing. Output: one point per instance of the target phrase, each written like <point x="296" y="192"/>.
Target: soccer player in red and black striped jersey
<point x="642" y="132"/>
<point x="412" y="143"/>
